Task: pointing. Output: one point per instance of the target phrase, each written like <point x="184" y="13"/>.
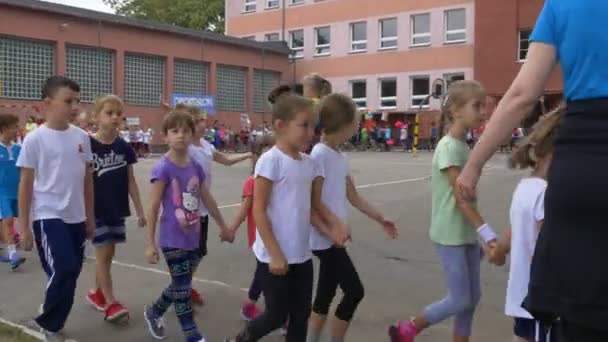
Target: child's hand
<point x="90" y="229"/>
<point x="390" y="228"/>
<point x="278" y="265"/>
<point x="152" y="255"/>
<point x="227" y="235"/>
<point x="27" y="240"/>
<point x="141" y="221"/>
<point x="340" y="234"/>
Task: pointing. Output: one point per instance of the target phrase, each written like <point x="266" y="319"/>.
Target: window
<point x="271" y="37"/>
<point x="451" y="78"/>
<point x="524" y="44"/>
<point x="421" y="88"/>
<point x="144" y="80"/>
<point x="296" y="2"/>
<point x="263" y="83"/>
<point x="24" y="66"/>
<point x="249" y="38"/>
<point x="359" y="93"/>
<point x="358" y="37"/>
<point x="322" y="41"/>
<point x="190" y="77"/>
<point x="272" y="3"/>
<point x="421" y="30"/>
<point x="249" y="5"/>
<point x="388" y="93"/>
<point x="388" y="33"/>
<point x="455" y="26"/>
<point x="231" y="89"/>
<point x="296" y="43"/>
<point x="92" y="68"/>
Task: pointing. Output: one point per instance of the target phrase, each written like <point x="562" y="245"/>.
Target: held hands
<point x="494" y="257"/>
<point x="278" y="265"/>
<point x="141" y="221"/>
<point x="152" y="254"/>
<point x="227" y="234"/>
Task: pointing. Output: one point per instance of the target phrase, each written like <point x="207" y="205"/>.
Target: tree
<point x="194" y="14"/>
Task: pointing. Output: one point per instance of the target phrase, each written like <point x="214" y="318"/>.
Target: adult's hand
<point x="466" y="183"/>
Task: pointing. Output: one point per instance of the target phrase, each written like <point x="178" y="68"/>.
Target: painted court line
<point x="25" y="330"/>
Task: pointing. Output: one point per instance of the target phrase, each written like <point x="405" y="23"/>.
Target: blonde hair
<point x="539" y="143"/>
<point x="101" y="101"/>
<point x="459" y="94"/>
<point x="287" y="106"/>
<point x="320" y="86"/>
<point x="336" y="111"/>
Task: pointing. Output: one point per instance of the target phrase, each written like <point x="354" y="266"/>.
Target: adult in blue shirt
<point x="569" y="278"/>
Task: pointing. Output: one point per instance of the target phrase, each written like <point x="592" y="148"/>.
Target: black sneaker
<point x="156" y="325"/>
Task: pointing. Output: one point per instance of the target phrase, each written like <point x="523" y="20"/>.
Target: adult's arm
<point x="518" y="102"/>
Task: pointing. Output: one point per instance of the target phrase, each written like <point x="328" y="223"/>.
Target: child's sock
<point x="12" y="250"/>
<point x="313" y="336"/>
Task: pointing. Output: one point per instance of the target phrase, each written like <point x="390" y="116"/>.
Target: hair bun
<point x="278" y="92"/>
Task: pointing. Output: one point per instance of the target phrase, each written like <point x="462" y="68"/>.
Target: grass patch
<point x="11" y="334"/>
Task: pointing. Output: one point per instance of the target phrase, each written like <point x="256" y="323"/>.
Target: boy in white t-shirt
<point x="56" y="191"/>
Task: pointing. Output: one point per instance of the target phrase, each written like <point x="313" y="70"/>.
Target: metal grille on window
<point x="190" y="77"/>
<point x="144" y="80"/>
<point x="24" y="67"/>
<point x="231" y="89"/>
<point x="263" y="83"/>
<point x="92" y="68"/>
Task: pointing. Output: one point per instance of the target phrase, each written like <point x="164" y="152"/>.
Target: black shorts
<point x="202" y="248"/>
<point x="532" y="330"/>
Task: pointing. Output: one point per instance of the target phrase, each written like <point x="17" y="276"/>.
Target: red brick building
<point x="502" y="29"/>
<point x="143" y="62"/>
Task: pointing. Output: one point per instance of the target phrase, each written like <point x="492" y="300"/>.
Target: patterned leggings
<point x="181" y="264"/>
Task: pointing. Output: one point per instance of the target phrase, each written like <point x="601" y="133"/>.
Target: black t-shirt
<point x="111" y="178"/>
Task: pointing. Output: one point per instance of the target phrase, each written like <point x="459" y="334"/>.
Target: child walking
<point x="9" y="185"/>
<point x="527" y="215"/>
<point x="282" y="212"/>
<point x="334" y="187"/>
<point x="114" y="181"/>
<point x="178" y="184"/>
<point x="56" y="191"/>
<point x="250" y="310"/>
<point x="455" y="223"/>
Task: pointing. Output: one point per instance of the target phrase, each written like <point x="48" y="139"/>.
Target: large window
<point x="524" y="44"/>
<point x="190" y="77"/>
<point x="388" y="33"/>
<point x="358" y="37"/>
<point x="388" y="93"/>
<point x="296" y="43"/>
<point x="296" y="2"/>
<point x="421" y="88"/>
<point x="249" y="5"/>
<point x="456" y="26"/>
<point x="322" y="41"/>
<point x="421" y="30"/>
<point x="24" y="66"/>
<point x="263" y="83"/>
<point x="92" y="68"/>
<point x="231" y="89"/>
<point x="359" y="93"/>
<point x="144" y="80"/>
<point x="272" y="3"/>
<point x="451" y="78"/>
<point x="271" y="37"/>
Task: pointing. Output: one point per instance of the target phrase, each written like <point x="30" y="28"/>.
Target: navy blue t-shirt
<point x="111" y="178"/>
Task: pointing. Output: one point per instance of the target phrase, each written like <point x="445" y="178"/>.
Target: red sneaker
<point x="197" y="298"/>
<point x="97" y="300"/>
<point x="116" y="312"/>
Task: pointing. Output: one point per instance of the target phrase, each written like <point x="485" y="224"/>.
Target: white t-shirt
<point x="333" y="167"/>
<point x="289" y="207"/>
<point x="403" y="133"/>
<point x="139" y="136"/>
<point x="59" y="160"/>
<point x="147" y="136"/>
<point x="527" y="209"/>
<point x="203" y="156"/>
<point x="126" y="136"/>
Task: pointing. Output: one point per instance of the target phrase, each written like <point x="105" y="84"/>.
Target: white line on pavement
<point x="25" y="329"/>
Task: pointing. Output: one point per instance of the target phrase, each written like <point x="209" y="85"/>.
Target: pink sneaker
<point x="97" y="300"/>
<point x="249" y="311"/>
<point x="402" y="332"/>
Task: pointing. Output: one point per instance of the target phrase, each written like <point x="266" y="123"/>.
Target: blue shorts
<point x="532" y="330"/>
<point x="8" y="208"/>
<point x="109" y="232"/>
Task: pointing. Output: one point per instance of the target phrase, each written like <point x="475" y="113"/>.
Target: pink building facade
<point x="384" y="53"/>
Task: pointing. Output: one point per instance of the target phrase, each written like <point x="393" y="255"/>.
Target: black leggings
<point x="255" y="290"/>
<point x="571" y="332"/>
<point x="285" y="296"/>
<point x="336" y="269"/>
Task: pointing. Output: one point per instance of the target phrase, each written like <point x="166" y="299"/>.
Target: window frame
<point x="519" y="40"/>
<point x="447" y="32"/>
<point x="388" y="98"/>
<point x="251" y="4"/>
<point x="415" y="35"/>
<point x="419" y="97"/>
<point x="357" y="100"/>
<point x="272" y="34"/>
<point x="322" y="46"/>
<point x="353" y="42"/>
<point x="268" y="6"/>
<point x="296" y="2"/>
<point x="382" y="39"/>
<point x="297" y="53"/>
<point x="449" y="79"/>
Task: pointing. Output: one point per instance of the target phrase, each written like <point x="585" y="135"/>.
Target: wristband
<point x="486" y="233"/>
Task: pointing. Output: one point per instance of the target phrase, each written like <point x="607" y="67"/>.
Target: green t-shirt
<point x="448" y="224"/>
